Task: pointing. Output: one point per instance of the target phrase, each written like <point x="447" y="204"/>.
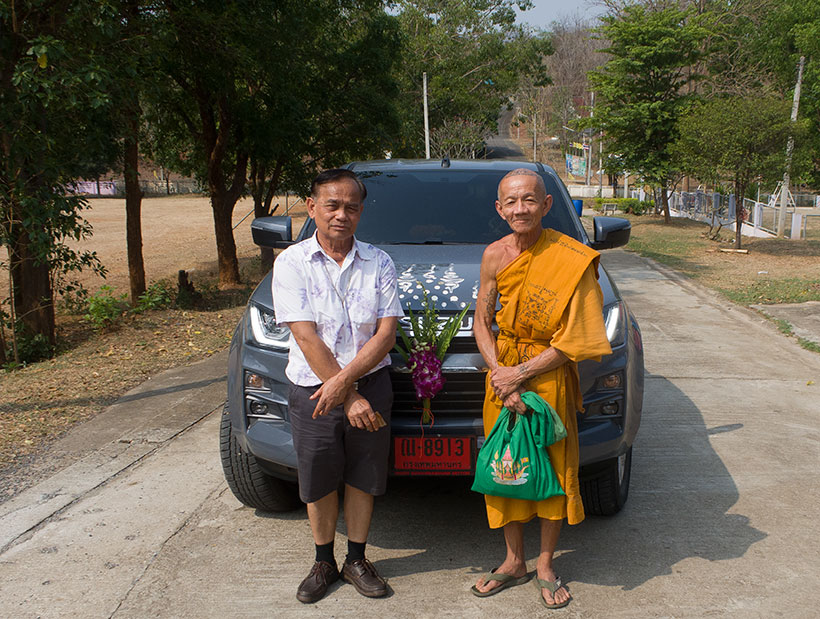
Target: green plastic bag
<point x="513" y="461"/>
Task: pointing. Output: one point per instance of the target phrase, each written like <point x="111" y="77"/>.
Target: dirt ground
<point x="93" y="369"/>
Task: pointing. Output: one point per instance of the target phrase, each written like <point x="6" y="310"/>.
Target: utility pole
<point x="426" y="119"/>
<point x="588" y="152"/>
<point x="784" y="189"/>
<point x="535" y="135"/>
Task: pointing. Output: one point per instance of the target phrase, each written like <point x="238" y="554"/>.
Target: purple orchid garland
<point x="424" y="351"/>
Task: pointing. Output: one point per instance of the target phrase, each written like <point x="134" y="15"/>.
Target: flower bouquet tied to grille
<point x="424" y="350"/>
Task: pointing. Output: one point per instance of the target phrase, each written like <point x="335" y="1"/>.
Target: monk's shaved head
<point x="525" y="172"/>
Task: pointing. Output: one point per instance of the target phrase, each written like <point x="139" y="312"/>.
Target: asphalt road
<point x="722" y="518"/>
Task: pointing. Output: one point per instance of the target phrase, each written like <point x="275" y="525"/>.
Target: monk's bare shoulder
<point x="499" y="254"/>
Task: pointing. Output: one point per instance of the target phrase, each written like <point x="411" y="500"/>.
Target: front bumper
<point x="458" y="407"/>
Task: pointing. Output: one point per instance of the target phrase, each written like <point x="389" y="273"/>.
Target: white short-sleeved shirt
<point x="308" y="285"/>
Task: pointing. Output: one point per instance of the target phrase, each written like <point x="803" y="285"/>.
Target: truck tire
<point x="246" y="479"/>
<point x="604" y="490"/>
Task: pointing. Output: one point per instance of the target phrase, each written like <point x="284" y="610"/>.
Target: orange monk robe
<point x="549" y="297"/>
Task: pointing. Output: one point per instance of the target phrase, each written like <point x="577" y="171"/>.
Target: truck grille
<point x="462" y="395"/>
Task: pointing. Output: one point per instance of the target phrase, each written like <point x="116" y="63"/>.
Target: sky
<point x="546" y="11"/>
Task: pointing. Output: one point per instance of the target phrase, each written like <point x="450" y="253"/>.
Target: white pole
<point x="426" y="119"/>
<point x="784" y="190"/>
<point x="535" y="135"/>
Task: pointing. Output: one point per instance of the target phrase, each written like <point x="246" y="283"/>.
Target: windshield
<point x="444" y="206"/>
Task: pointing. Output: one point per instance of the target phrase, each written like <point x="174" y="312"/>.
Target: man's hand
<point x="360" y="414"/>
<point x="514" y="402"/>
<point x="506" y="380"/>
<point x="332" y="393"/>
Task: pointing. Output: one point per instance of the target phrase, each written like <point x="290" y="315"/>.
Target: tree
<point x="565" y="98"/>
<point x="641" y="87"/>
<point x="475" y="56"/>
<point x="736" y="139"/>
<point x="789" y="29"/>
<point x="54" y="128"/>
<point x="285" y="87"/>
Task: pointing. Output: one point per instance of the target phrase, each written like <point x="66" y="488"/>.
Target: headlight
<point x="265" y="331"/>
<point x="615" y="323"/>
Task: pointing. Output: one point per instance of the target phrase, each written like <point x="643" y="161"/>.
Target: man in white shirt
<point x="339" y="298"/>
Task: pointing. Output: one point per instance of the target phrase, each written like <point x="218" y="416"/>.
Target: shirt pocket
<point x="363" y="305"/>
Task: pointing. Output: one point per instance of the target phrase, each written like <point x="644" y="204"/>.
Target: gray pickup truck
<point x="434" y="218"/>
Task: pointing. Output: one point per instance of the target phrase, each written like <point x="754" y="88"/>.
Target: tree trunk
<point x="33" y="297"/>
<point x="228" y="264"/>
<point x="263" y="191"/>
<point x="740" y="191"/>
<point x="133" y="206"/>
<point x="667" y="218"/>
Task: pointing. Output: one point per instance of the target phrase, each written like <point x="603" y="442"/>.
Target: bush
<point x="157" y="296"/>
<point x="30" y="349"/>
<point x="75" y="302"/>
<point x="104" y="309"/>
<point x="626" y="205"/>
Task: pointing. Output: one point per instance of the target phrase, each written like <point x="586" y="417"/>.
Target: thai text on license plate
<point x="435" y="455"/>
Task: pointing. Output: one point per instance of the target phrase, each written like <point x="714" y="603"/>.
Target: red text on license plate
<point x="435" y="455"/>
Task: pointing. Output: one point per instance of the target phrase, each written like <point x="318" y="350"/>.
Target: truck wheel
<point x="246" y="479"/>
<point x="605" y="489"/>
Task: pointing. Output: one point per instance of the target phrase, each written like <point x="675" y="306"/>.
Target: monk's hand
<point x="360" y="414"/>
<point x="332" y="393"/>
<point x="514" y="403"/>
<point x="506" y="380"/>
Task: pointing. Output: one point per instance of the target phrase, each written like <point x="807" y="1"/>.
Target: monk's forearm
<point x="544" y="362"/>
<point x="483" y="320"/>
<point x="486" y="345"/>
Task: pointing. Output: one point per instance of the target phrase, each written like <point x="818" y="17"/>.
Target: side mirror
<point x="611" y="232"/>
<point x="272" y="232"/>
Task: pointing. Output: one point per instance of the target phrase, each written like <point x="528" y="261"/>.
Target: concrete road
<point x="722" y="518"/>
<point x="501" y="146"/>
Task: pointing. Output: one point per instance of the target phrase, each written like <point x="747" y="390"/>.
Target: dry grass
<point x="774" y="270"/>
<point x="40" y="402"/>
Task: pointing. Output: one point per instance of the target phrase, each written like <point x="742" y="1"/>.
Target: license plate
<point x="436" y="455"/>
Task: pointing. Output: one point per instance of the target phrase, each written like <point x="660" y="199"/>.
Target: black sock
<point x="355" y="550"/>
<point x="324" y="552"/>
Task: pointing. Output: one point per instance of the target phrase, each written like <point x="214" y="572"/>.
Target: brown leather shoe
<point x="313" y="588"/>
<point x="362" y="575"/>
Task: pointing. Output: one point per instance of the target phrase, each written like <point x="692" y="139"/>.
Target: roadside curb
<point x="140" y="423"/>
<point x="803" y="317"/>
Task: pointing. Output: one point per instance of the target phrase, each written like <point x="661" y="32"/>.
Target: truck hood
<point x="449" y="273"/>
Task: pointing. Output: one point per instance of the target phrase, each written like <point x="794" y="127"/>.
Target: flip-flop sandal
<point x="506" y="581"/>
<point x="552" y="586"/>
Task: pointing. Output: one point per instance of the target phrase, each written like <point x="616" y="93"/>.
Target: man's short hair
<point x="523" y="172"/>
<point x="333" y="175"/>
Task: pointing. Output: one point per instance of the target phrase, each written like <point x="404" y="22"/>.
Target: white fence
<point x="760" y="219"/>
<point x="116" y="188"/>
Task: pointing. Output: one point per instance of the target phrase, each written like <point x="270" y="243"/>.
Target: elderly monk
<point x="551" y="318"/>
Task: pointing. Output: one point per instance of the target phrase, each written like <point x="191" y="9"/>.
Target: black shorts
<point x="330" y="451"/>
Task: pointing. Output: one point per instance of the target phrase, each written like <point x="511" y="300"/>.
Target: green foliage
<point x="475" y="57"/>
<point x="790" y="29"/>
<point x="30" y="349"/>
<point x="735" y="139"/>
<point x="642" y="86"/>
<point x="292" y="86"/>
<point x="627" y="205"/>
<point x="774" y="291"/>
<point x="104" y="308"/>
<point x="54" y="128"/>
<point x="157" y="296"/>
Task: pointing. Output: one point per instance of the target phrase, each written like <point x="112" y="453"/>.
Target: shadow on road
<point x="681" y="496"/>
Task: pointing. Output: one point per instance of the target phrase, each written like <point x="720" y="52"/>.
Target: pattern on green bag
<point x="507" y="471"/>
